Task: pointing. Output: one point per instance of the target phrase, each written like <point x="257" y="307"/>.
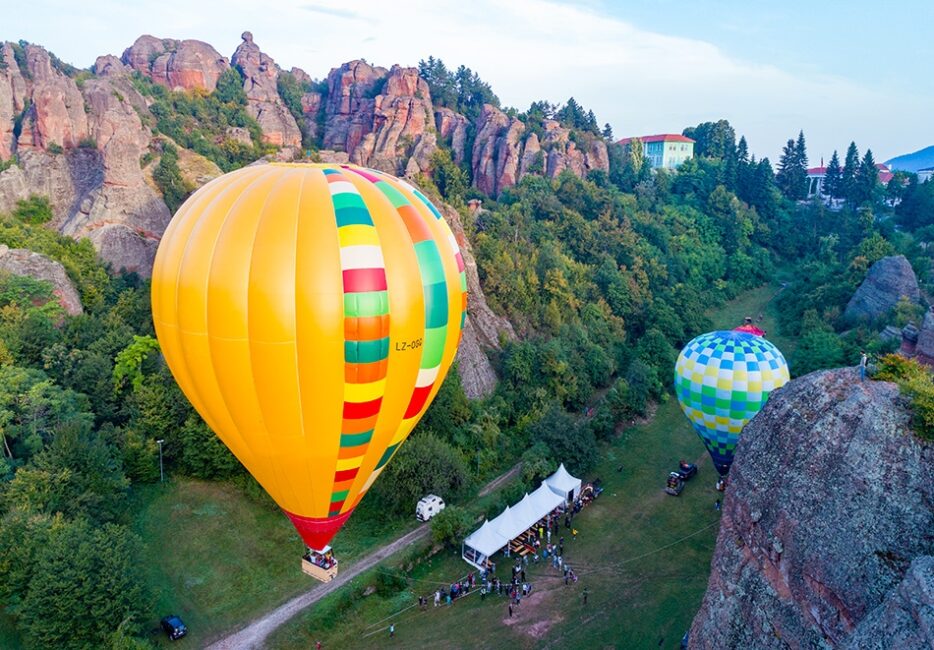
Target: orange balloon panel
<point x="310" y="314"/>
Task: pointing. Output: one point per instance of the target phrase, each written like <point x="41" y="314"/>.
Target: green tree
<point x="168" y="177"/>
<point x="833" y="177"/>
<point x="848" y="183"/>
<point x="35" y="210"/>
<point x="129" y="362"/>
<point x="449" y="526"/>
<point x="86" y="583"/>
<point x="867" y="180"/>
<point x="566" y="440"/>
<point x="816" y="350"/>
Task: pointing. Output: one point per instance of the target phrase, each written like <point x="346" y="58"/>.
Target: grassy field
<point x="220" y="558"/>
<point x="642" y="555"/>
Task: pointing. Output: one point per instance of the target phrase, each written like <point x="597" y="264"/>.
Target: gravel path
<point x="254" y="635"/>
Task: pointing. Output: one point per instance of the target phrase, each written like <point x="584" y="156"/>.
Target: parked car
<point x="686" y="470"/>
<point x="428" y="507"/>
<point x="174" y="627"/>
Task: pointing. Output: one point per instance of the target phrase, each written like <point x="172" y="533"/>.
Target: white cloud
<point x="637" y="80"/>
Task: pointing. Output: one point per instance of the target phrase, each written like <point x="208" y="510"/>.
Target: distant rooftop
<point x="885" y="174"/>
<point x="662" y="137"/>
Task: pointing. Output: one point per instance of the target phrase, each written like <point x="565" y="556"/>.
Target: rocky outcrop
<point x="177" y="65"/>
<point x="887" y="281"/>
<point x="81" y="149"/>
<point x="260" y="83"/>
<point x="502" y="155"/>
<point x="483" y="329"/>
<point x="20" y="261"/>
<point x="56" y="115"/>
<point x="12" y="98"/>
<point x="109" y="65"/>
<point x="381" y="119"/>
<point x="827" y="529"/>
<point x="452" y="129"/>
<point x="924" y="345"/>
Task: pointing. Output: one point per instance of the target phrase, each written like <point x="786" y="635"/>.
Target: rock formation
<point x="452" y="129"/>
<point x="483" y="328"/>
<point x="177" y="65"/>
<point x="502" y="155"/>
<point x="12" y="98"/>
<point x="827" y="529"/>
<point x="81" y="149"/>
<point x="382" y="119"/>
<point x="20" y="261"/>
<point x="260" y="83"/>
<point x="887" y="281"/>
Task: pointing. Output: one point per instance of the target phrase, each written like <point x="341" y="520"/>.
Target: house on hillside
<point x="925" y="174"/>
<point x="664" y="151"/>
<point x="816" y="176"/>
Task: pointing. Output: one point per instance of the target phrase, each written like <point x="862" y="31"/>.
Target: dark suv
<point x="174" y="627"/>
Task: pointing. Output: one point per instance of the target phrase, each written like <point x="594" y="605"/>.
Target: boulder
<point x="924" y="346"/>
<point x="496" y="132"/>
<point x="20" y="261"/>
<point x="260" y="83"/>
<point x="888" y="280"/>
<point x="109" y="65"/>
<point x="177" y="65"/>
<point x="827" y="525"/>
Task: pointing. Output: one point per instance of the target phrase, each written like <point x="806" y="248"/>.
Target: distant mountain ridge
<point x="912" y="162"/>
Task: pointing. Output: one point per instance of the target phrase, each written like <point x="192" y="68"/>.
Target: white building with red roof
<point x="665" y="150"/>
<point x="816" y="176"/>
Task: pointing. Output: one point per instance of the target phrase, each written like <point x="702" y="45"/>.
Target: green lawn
<point x="644" y="556"/>
<point x="218" y="558"/>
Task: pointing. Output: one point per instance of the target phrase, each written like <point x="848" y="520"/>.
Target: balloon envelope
<point x="310" y="314"/>
<point x="722" y="379"/>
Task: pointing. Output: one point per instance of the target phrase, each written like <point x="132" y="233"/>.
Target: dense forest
<point x="604" y="279"/>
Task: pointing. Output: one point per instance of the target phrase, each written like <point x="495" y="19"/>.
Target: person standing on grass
<point x="585" y="597"/>
<point x="392" y="630"/>
<point x="510" y="609"/>
<point x="716" y="506"/>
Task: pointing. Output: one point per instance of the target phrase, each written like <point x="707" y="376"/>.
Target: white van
<point x="428" y="507"/>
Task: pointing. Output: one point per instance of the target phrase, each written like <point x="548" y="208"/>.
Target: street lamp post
<point x="161" y="473"/>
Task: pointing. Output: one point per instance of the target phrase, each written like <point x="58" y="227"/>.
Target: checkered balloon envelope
<point x="722" y="379"/>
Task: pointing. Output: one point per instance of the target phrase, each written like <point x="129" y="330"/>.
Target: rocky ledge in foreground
<point x="828" y="526"/>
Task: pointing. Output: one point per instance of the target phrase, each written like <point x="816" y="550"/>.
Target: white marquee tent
<point x="555" y="491"/>
<point x="563" y="484"/>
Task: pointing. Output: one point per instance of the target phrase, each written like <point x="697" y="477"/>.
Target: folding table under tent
<point x="563" y="484"/>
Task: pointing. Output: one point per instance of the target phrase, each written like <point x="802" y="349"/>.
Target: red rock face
<point x="260" y="80"/>
<point x="12" y="96"/>
<point x="383" y="127"/>
<point x="178" y="65"/>
<point x="452" y="128"/>
<point x="825" y="533"/>
<point x="56" y="116"/>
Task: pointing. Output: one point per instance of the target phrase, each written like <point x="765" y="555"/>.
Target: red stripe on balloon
<point x="419" y="396"/>
<point x="364" y="280"/>
<point x="359" y="410"/>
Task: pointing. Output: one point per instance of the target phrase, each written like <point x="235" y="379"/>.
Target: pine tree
<point x="801" y="152"/>
<point x="742" y="150"/>
<point x="867" y="179"/>
<point x="608" y="132"/>
<point x="848" y="177"/>
<point x="792" y="176"/>
<point x="832" y="177"/>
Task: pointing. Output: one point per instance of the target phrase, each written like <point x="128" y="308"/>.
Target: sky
<point x="840" y="71"/>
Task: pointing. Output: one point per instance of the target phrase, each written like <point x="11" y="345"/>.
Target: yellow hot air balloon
<point x="310" y="314"/>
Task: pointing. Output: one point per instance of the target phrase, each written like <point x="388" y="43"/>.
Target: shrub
<point x="915" y="381"/>
<point x="34" y="210"/>
<point x="450" y="525"/>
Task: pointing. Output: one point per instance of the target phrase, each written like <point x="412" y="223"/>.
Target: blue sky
<point x="839" y="70"/>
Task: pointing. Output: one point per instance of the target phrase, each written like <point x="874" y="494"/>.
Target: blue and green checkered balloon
<point x="722" y="379"/>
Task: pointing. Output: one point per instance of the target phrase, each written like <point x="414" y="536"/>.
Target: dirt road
<point x="254" y="635"/>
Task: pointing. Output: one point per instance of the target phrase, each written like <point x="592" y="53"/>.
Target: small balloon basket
<point x="320" y="565"/>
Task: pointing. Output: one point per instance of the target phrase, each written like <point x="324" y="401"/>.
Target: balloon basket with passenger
<point x="320" y="565"/>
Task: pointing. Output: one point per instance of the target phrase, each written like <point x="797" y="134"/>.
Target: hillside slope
<point x="828" y="525"/>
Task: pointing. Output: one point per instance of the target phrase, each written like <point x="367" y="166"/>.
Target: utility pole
<point x="161" y="473"/>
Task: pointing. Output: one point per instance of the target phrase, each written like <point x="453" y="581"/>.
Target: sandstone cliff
<point x="483" y="329"/>
<point x="177" y="65"/>
<point x="260" y="82"/>
<point x="81" y="148"/>
<point x="828" y="525"/>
